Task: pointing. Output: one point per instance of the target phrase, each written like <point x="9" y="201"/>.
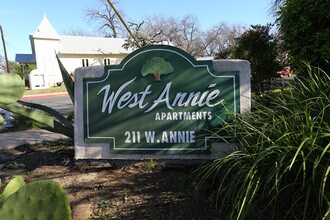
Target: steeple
<point x="46" y="30"/>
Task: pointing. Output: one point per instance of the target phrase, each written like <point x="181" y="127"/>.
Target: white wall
<point x="46" y="50"/>
<point x="72" y="62"/>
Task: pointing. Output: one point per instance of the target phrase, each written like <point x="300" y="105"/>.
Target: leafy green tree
<point x="258" y="46"/>
<point x="157" y="66"/>
<point x="27" y="69"/>
<point x="14" y="67"/>
<point x="304" y="25"/>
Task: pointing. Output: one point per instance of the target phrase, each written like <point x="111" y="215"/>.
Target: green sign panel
<point x="159" y="100"/>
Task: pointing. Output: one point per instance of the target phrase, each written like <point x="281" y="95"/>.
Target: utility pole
<point x="125" y="25"/>
<point x="4" y="49"/>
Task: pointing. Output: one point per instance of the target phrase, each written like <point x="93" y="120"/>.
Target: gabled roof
<point x="78" y="44"/>
<point x="46" y="30"/>
<point x="91" y="45"/>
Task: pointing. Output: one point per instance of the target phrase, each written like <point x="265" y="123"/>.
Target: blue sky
<point x="20" y="18"/>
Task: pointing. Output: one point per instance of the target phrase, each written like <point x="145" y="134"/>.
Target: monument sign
<point x="158" y="101"/>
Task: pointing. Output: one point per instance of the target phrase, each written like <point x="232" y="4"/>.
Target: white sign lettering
<point x="121" y="99"/>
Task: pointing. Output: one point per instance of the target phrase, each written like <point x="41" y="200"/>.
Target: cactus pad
<point x="43" y="199"/>
<point x="15" y="184"/>
<point x="2" y="121"/>
<point x="11" y="88"/>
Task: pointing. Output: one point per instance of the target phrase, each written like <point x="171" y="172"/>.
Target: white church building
<point x="73" y="51"/>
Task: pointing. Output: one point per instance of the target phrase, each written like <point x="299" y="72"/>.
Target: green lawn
<point x="44" y="91"/>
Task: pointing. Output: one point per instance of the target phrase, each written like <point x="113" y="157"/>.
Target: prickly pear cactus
<point x="2" y="121"/>
<point x="15" y="184"/>
<point x="43" y="199"/>
<point x="11" y="88"/>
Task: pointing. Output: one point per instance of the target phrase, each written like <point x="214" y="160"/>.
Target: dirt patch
<point x="111" y="189"/>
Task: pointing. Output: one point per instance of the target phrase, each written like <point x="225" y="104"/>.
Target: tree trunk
<point x="157" y="77"/>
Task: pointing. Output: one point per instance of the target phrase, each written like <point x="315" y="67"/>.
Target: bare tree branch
<point x="2" y="64"/>
<point x="184" y="32"/>
<point x="108" y="24"/>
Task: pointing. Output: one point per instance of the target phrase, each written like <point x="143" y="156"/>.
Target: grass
<point x="45" y="91"/>
<point x="281" y="170"/>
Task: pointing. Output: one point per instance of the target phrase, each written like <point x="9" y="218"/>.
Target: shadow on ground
<point x="108" y="189"/>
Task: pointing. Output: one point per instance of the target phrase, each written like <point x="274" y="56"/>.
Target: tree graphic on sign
<point x="157" y="66"/>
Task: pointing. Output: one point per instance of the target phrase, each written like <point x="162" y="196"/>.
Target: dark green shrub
<point x="259" y="46"/>
<point x="304" y="26"/>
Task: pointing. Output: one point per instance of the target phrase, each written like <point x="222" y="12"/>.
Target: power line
<point x="12" y="47"/>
